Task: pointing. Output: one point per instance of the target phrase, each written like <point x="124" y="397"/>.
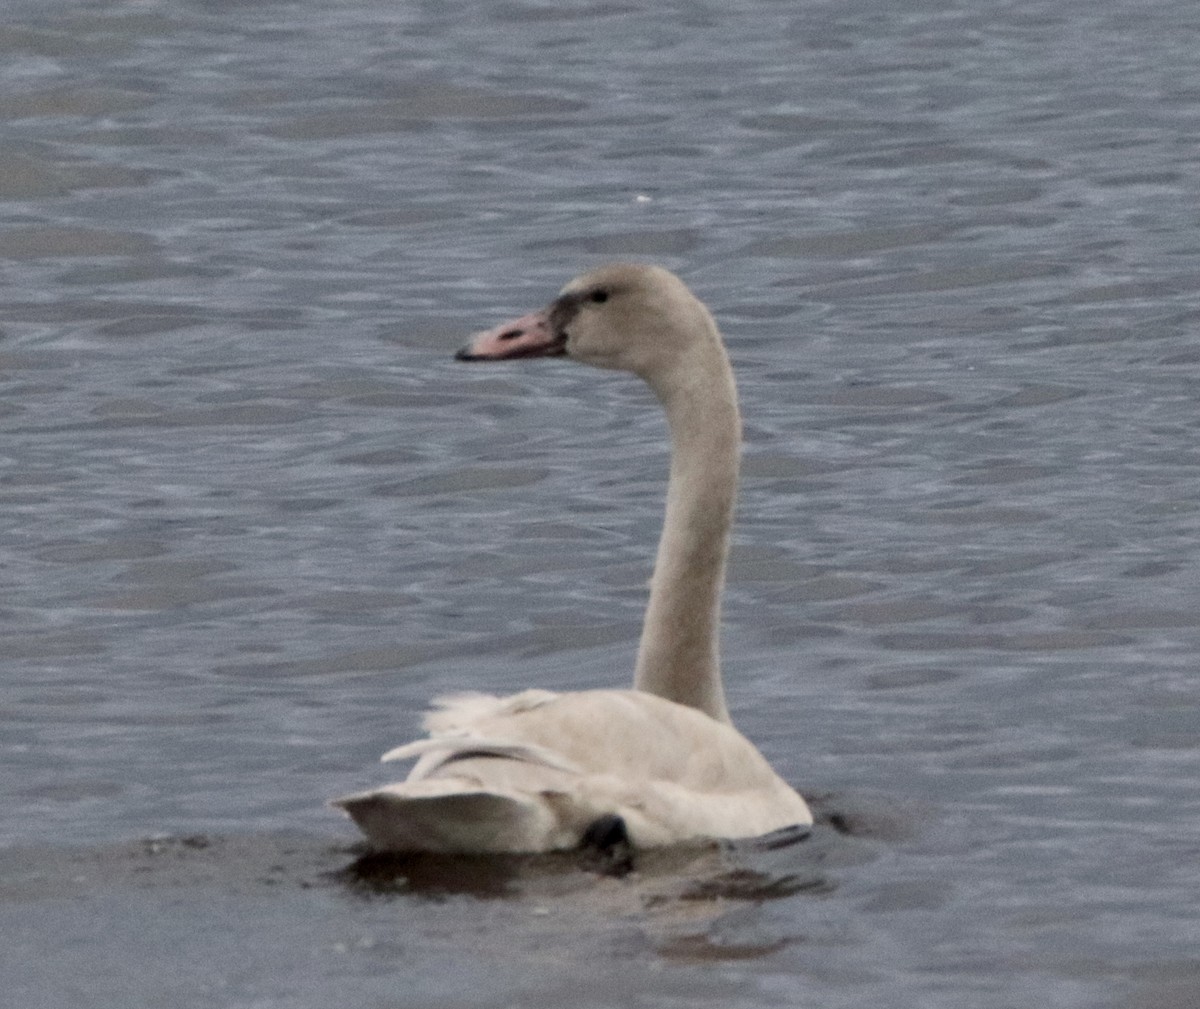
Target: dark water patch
<point x="350" y="602"/>
<point x="151" y="324"/>
<point x="762" y="310"/>
<point x="896" y="611"/>
<point x="354" y="664"/>
<point x="175" y="596"/>
<point x="468" y="479"/>
<point x="117" y="25"/>
<point x="701" y="948"/>
<point x="1120" y="180"/>
<point x="403" y="217"/>
<point x="227" y="864"/>
<point x="63" y="243"/>
<point x="825" y="588"/>
<point x="552" y="640"/>
<point x="27" y="176"/>
<point x="763" y="564"/>
<point x="351" y="388"/>
<point x="905" y="564"/>
<point x="182" y="569"/>
<point x="441" y="99"/>
<point x="1185" y="357"/>
<point x="36" y="478"/>
<point x="1097" y="335"/>
<point x="914" y="895"/>
<point x="947" y="279"/>
<point x="396" y="399"/>
<point x="137" y="271"/>
<point x="1067" y="639"/>
<point x="984" y="613"/>
<point x="118" y="136"/>
<point x="129" y="407"/>
<point x="881" y="396"/>
<point x="1151" y="569"/>
<point x="798" y="488"/>
<point x="633" y="243"/>
<point x="551" y="530"/>
<point x="441" y="335"/>
<point x="642" y="150"/>
<point x="69" y="101"/>
<point x="773" y="464"/>
<point x="1024" y="757"/>
<point x="1181" y="740"/>
<point x="1013" y="563"/>
<point x="976" y="513"/>
<point x="121" y="549"/>
<point x="389" y="458"/>
<point x="1165" y="985"/>
<point x="1145" y="618"/>
<point x="905" y="677"/>
<point x="1003" y="471"/>
<point x="926" y="153"/>
<point x="1039" y="395"/>
<point x="799" y="632"/>
<point x="536" y="13"/>
<point x="72" y="791"/>
<point x="808" y="124"/>
<point x="1001" y="195"/>
<point x="53" y="644"/>
<point x="248" y="415"/>
<point x="21" y="40"/>
<point x="381" y="118"/>
<point x="848" y="244"/>
<point x="33" y="360"/>
<point x="1156" y="290"/>
<point x="419" y="107"/>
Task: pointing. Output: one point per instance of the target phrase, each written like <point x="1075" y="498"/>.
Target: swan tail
<point x="436" y="753"/>
<point x="444" y="815"/>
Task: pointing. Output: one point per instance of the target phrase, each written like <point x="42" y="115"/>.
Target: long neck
<point x="678" y="657"/>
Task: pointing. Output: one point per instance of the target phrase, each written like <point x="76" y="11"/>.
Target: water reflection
<point x="780" y="865"/>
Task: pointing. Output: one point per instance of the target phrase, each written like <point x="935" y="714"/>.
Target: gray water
<point x="252" y="516"/>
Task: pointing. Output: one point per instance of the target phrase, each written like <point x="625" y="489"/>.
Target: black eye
<point x="599" y="296"/>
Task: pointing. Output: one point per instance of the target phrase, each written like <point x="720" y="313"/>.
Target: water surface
<point x="252" y="516"/>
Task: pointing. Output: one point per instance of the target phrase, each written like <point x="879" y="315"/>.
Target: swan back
<point x="533" y="771"/>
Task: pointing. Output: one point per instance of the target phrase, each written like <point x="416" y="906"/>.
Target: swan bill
<point x="531" y="335"/>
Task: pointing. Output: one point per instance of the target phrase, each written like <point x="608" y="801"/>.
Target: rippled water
<point x="252" y="516"/>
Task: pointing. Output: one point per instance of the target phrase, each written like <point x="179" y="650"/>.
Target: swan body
<point x="535" y="771"/>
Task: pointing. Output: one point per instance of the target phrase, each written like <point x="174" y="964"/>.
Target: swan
<point x="655" y="765"/>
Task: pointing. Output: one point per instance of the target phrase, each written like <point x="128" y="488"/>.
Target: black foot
<point x="608" y="838"/>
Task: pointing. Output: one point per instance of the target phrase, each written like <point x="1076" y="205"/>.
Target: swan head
<point x="628" y="316"/>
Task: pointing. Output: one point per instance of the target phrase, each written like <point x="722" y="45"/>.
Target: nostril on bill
<point x="511" y="334"/>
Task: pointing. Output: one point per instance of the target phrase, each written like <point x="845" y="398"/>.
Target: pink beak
<point x="528" y="336"/>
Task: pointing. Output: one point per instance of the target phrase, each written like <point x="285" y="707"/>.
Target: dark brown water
<point x="252" y="516"/>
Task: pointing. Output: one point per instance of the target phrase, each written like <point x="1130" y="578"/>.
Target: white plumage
<point x="532" y="771"/>
<point x="535" y="770"/>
